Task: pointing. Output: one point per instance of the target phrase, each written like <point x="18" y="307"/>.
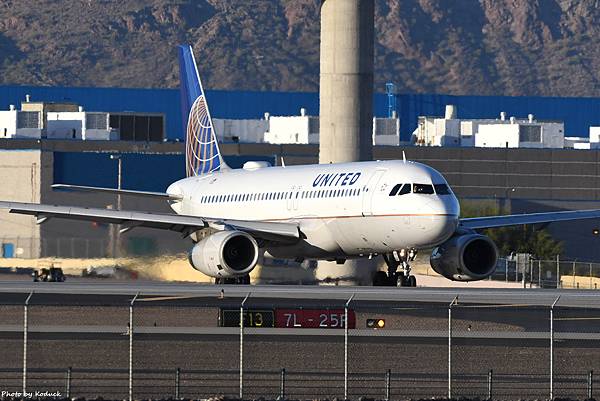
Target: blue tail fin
<point x="202" y="155"/>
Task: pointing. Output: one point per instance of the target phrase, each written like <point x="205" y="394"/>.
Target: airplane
<point x="329" y="212"/>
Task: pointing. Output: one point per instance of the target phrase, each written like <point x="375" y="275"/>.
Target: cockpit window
<point x="405" y="189"/>
<point x="395" y="190"/>
<point x="442" y="189"/>
<point x="423" y="189"/>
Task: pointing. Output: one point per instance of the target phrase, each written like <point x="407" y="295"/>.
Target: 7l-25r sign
<point x="314" y="318"/>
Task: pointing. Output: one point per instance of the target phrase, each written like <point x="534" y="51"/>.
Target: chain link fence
<point x="555" y="273"/>
<point x="149" y="347"/>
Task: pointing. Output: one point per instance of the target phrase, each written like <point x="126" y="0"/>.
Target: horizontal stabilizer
<point x="79" y="188"/>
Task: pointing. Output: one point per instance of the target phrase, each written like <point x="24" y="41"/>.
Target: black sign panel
<point x="252" y="318"/>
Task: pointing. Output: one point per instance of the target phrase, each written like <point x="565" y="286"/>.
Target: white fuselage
<point x="344" y="210"/>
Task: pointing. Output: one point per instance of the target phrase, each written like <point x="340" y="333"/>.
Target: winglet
<point x="202" y="152"/>
<point x="404" y="156"/>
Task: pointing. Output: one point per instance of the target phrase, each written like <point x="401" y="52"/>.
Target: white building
<point x="245" y="131"/>
<point x="20" y="124"/>
<point x="515" y="133"/>
<point x="593" y="142"/>
<point x="79" y="125"/>
<point x="304" y="129"/>
<point x="69" y="121"/>
<point x="301" y="129"/>
<point x="577" y="142"/>
<point x="491" y="133"/>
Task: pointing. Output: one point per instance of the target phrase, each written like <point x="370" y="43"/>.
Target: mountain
<point x="499" y="47"/>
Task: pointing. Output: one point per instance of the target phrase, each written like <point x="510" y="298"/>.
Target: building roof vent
<point x="451" y="112"/>
<point x="530" y="118"/>
<point x="27" y="98"/>
<point x="513" y="120"/>
<point x="502" y="116"/>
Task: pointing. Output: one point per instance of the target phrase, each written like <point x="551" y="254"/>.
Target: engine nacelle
<point x="465" y="257"/>
<point x="225" y="254"/>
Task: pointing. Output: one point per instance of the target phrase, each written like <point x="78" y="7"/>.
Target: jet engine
<point x="465" y="257"/>
<point x="225" y="254"/>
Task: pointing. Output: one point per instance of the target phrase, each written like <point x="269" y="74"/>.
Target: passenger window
<point x="442" y="189"/>
<point x="395" y="190"/>
<point x="423" y="189"/>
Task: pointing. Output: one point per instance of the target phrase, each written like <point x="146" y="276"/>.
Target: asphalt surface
<point x="581" y="298"/>
<point x="85" y="326"/>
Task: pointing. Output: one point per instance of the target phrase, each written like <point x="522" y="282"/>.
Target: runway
<point x="530" y="297"/>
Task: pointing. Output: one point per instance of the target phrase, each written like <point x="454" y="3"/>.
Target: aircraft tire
<point x="411" y="281"/>
<point x="399" y="280"/>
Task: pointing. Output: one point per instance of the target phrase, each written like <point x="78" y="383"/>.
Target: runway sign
<point x="252" y="318"/>
<point x="314" y="318"/>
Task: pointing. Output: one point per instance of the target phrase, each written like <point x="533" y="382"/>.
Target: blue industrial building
<point x="577" y="113"/>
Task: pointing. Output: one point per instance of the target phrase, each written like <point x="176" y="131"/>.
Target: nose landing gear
<point x="395" y="260"/>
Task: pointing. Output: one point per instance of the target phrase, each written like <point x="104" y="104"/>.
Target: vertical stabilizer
<point x="202" y="154"/>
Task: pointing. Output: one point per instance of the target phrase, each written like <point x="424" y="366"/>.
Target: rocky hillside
<point x="510" y="47"/>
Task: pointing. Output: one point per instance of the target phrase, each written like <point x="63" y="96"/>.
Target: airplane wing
<point x="278" y="232"/>
<point x="530" y="218"/>
<point x="80" y="188"/>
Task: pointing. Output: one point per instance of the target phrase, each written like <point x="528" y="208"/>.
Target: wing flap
<point x="530" y="218"/>
<point x="185" y="224"/>
<point x="81" y="188"/>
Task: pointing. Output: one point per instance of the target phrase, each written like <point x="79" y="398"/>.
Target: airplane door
<point x="296" y="198"/>
<point x="369" y="192"/>
<point x="293" y="197"/>
<point x="290" y="198"/>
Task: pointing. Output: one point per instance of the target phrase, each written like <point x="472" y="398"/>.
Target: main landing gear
<point x="233" y="280"/>
<point x="393" y="277"/>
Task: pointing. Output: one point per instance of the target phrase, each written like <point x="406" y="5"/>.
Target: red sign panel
<point x="314" y="318"/>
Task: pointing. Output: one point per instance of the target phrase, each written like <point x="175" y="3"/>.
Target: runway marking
<point x="497" y="306"/>
<point x="168" y="298"/>
<point x="577" y="318"/>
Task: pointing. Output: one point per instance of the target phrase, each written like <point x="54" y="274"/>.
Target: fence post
<point x="242" y="345"/>
<point x="282" y="385"/>
<point x="25" y="329"/>
<point x="557" y="271"/>
<point x="131" y="346"/>
<point x="68" y="385"/>
<point x="490" y="383"/>
<point x="591" y="280"/>
<point x="590" y="384"/>
<point x="539" y="274"/>
<point x="346" y="347"/>
<point x="177" y="382"/>
<point x="455" y="300"/>
<point x="552" y="348"/>
<point x="388" y="384"/>
<point x="506" y="270"/>
<point x="574" y="274"/>
<point x="530" y="273"/>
